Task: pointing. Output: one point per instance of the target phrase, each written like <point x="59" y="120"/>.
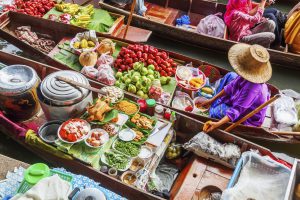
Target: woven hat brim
<point x="253" y="76"/>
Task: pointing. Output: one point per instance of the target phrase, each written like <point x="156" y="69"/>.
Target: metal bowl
<point x="48" y="131"/>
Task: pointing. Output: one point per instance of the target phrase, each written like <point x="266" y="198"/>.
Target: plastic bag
<point x="106" y="75"/>
<point x="90" y="71"/>
<point x="105" y="59"/>
<point x="285" y="111"/>
<point x="182" y="101"/>
<point x="211" y="25"/>
<point x="261" y="178"/>
<point x="203" y="143"/>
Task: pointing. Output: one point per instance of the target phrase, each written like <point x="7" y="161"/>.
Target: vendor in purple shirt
<point x="243" y="91"/>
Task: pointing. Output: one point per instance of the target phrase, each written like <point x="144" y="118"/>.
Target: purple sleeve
<point x="249" y="18"/>
<point x="229" y="89"/>
<point x="243" y="102"/>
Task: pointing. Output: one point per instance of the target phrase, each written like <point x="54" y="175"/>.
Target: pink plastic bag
<point x="90" y="71"/>
<point x="106" y="75"/>
<point x="105" y="59"/>
<point x="212" y="25"/>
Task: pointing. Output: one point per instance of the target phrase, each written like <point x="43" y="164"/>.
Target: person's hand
<point x="210" y="126"/>
<point x="206" y="104"/>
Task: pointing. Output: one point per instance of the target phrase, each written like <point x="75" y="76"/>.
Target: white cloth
<point x="51" y="188"/>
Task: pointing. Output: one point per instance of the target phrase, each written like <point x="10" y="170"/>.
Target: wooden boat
<point x="62" y="31"/>
<point x="196" y="174"/>
<point x="161" y="17"/>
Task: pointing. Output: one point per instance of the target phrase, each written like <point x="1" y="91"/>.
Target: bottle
<point x="159" y="111"/>
<point x="151" y="103"/>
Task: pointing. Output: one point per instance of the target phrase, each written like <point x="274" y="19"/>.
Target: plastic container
<point x="151" y="103"/>
<point x="159" y="111"/>
<point x="143" y="105"/>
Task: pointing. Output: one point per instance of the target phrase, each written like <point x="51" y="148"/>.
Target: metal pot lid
<point x="61" y="93"/>
<point x="16" y="79"/>
<point x="91" y="194"/>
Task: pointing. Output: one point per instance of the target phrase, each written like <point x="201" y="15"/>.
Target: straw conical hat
<point x="251" y="62"/>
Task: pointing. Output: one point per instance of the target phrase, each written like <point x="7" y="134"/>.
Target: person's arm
<point x="237" y="110"/>
<point x="249" y="18"/>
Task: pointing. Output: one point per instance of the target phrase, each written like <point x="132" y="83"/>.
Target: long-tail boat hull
<point x="164" y="13"/>
<point x="185" y="127"/>
<point x="9" y="21"/>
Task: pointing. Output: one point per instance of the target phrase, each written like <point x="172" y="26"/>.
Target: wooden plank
<point x="8" y="164"/>
<point x="135" y="34"/>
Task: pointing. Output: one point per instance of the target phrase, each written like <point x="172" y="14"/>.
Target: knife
<point x="156" y="130"/>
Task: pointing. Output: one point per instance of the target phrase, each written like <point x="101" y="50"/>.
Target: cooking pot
<point x="18" y="98"/>
<point x="62" y="101"/>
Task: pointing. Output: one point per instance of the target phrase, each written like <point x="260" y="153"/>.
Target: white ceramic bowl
<point x="79" y="140"/>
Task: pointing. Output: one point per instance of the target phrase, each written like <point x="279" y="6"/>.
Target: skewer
<point x="129" y="18"/>
<point x="74" y="83"/>
<point x="252" y="113"/>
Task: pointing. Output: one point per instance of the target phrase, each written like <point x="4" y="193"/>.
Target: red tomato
<point x="63" y="134"/>
<point x="170" y="73"/>
<point x="71" y="138"/>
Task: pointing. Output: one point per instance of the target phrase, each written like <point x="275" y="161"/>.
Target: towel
<point x="47" y="189"/>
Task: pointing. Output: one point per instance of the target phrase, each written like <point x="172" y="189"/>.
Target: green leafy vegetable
<point x="127" y="148"/>
<point x="116" y="160"/>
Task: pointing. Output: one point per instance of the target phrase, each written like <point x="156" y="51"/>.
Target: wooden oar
<point x="252" y="113"/>
<point x="75" y="83"/>
<point x="129" y="18"/>
<point x="286" y="133"/>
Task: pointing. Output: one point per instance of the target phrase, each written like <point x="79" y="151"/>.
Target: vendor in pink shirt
<point x="247" y="24"/>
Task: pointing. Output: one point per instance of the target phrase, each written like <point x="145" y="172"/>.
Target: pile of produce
<point x="139" y="79"/>
<point x="37" y="8"/>
<point x="127" y="148"/>
<point x="74" y="130"/>
<point x="116" y="160"/>
<point x="81" y="16"/>
<point x="43" y="44"/>
<point x="147" y="55"/>
<point x="84" y="44"/>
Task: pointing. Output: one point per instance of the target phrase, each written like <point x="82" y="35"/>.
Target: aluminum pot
<point x="62" y="101"/>
<point x="18" y="97"/>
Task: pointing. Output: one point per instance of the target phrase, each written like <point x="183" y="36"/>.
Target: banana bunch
<point x="61" y="6"/>
<point x="88" y="10"/>
<point x="84" y="16"/>
<point x="71" y="9"/>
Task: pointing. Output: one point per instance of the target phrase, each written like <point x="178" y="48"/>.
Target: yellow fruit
<point x="84" y="44"/>
<point x="91" y="44"/>
<point x="76" y="45"/>
<point x="207" y="90"/>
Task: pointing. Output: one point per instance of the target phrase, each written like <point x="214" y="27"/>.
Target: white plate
<point x="104" y="137"/>
<point x="79" y="140"/>
<point x="145" y="152"/>
<point x="122" y="119"/>
<point x="127" y="135"/>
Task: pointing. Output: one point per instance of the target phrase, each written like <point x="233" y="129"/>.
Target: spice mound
<point x="127" y="107"/>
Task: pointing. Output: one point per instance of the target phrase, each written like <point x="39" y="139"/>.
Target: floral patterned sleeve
<point x="248" y="18"/>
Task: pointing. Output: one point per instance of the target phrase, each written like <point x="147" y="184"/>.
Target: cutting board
<point x="159" y="137"/>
